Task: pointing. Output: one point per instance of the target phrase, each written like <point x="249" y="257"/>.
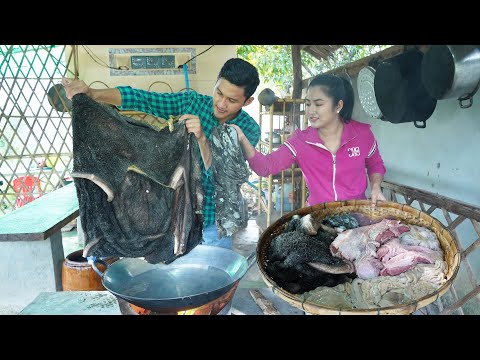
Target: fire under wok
<point x="203" y="275"/>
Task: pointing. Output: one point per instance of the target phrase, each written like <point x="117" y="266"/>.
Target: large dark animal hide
<point x="139" y="188"/>
<point x="299" y="262"/>
<point x="230" y="171"/>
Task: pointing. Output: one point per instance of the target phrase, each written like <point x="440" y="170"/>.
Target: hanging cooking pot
<point x="452" y="71"/>
<point x="399" y="91"/>
<point x="267" y="97"/>
<point x="204" y="274"/>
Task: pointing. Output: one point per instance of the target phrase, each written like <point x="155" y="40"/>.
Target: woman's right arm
<point x="248" y="149"/>
<point x="265" y="165"/>
<point x="109" y="96"/>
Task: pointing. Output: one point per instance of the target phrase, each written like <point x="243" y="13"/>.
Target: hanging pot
<point x="399" y="91"/>
<point x="452" y="71"/>
<point x="266" y="97"/>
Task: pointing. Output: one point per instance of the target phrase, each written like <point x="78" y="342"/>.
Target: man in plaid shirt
<point x="236" y="83"/>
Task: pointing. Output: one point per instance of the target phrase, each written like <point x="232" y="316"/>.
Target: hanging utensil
<point x="399" y="91"/>
<point x="452" y="71"/>
<point x="366" y="92"/>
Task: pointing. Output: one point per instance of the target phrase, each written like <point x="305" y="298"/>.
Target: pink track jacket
<point x="329" y="177"/>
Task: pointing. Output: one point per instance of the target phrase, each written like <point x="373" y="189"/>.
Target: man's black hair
<point x="240" y="73"/>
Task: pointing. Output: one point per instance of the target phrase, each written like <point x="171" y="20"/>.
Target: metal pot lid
<point x="366" y="92"/>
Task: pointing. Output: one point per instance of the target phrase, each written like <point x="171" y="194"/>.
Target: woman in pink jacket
<point x="335" y="153"/>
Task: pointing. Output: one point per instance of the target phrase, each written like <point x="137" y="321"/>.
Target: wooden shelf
<point x="286" y="107"/>
<point x="280" y="111"/>
<point x="266" y="143"/>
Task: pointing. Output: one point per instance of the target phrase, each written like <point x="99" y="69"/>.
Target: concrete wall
<point x="202" y="74"/>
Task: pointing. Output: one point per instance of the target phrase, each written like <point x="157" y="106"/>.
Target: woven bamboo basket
<point x="384" y="209"/>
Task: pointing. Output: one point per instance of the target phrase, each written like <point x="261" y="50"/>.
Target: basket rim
<point x="297" y="300"/>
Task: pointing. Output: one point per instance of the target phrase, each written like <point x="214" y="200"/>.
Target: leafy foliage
<point x="274" y="62"/>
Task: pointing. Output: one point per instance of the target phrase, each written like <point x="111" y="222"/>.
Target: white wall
<point x="441" y="158"/>
<point x="92" y="68"/>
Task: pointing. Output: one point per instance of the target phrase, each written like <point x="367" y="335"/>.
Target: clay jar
<point x="78" y="274"/>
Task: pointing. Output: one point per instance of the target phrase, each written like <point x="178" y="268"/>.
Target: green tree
<point x="274" y="62"/>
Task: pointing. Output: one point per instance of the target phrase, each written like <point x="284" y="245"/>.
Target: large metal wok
<point x="203" y="275"/>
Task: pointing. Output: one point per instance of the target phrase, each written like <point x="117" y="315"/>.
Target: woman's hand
<point x="241" y="135"/>
<point x="376" y="195"/>
<point x="247" y="148"/>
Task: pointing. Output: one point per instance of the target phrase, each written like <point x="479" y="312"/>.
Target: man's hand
<point x="193" y="125"/>
<point x="192" y="122"/>
<point x="75" y="86"/>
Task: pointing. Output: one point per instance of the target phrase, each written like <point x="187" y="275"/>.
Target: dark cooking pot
<point x="266" y="97"/>
<point x="399" y="91"/>
<point x="452" y="71"/>
<point x="204" y="274"/>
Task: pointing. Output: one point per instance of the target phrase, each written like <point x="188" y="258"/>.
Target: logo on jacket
<point x="353" y="151"/>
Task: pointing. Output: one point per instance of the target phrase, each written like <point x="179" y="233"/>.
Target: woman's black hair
<point x="337" y="88"/>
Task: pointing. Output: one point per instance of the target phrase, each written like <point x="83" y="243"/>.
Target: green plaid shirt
<point x="190" y="102"/>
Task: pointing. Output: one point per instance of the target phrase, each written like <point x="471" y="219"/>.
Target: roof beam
<point x="353" y="68"/>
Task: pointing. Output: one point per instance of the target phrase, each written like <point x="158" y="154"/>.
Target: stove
<point x="219" y="306"/>
<point x="130" y="309"/>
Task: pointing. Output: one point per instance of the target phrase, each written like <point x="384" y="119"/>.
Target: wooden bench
<point x="31" y="249"/>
